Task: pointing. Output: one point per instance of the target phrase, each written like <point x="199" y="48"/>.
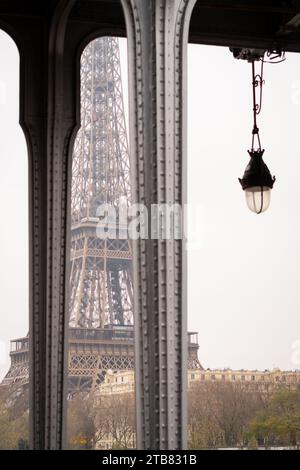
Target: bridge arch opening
<point x="14" y="256"/>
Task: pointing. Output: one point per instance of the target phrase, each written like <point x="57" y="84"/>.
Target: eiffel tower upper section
<point x="101" y="268"/>
<point x="101" y="169"/>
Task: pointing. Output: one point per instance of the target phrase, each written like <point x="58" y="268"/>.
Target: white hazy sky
<point x="243" y="274"/>
<point x="243" y="283"/>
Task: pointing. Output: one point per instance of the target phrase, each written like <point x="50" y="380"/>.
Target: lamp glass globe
<point x="258" y="198"/>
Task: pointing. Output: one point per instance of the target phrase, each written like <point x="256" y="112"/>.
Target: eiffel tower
<point x="101" y="315"/>
<point x="101" y="292"/>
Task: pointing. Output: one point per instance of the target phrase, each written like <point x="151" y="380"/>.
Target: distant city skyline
<point x="242" y="268"/>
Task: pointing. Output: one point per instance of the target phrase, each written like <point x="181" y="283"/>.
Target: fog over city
<point x="243" y="268"/>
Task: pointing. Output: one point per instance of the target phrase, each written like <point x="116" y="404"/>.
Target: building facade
<point x="266" y="380"/>
<point x="123" y="381"/>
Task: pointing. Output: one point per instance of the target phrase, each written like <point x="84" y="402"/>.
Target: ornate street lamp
<point x="257" y="181"/>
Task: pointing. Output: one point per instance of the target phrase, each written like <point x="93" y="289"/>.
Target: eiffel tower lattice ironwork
<point x="101" y="280"/>
<point x="101" y="290"/>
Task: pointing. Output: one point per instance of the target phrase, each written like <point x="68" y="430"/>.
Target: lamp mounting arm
<point x="257" y="84"/>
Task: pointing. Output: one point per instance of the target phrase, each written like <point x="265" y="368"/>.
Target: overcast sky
<point x="13" y="206"/>
<point x="243" y="281"/>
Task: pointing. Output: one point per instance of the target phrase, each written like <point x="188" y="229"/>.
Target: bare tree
<point x="86" y="422"/>
<point x="219" y="413"/>
<point x="121" y="419"/>
<point x="95" y="419"/>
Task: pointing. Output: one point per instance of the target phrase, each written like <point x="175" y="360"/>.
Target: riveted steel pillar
<point x="48" y="124"/>
<point x="157" y="41"/>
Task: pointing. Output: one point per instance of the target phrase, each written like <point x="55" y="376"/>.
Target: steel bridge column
<point x="48" y="119"/>
<point x="157" y="42"/>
